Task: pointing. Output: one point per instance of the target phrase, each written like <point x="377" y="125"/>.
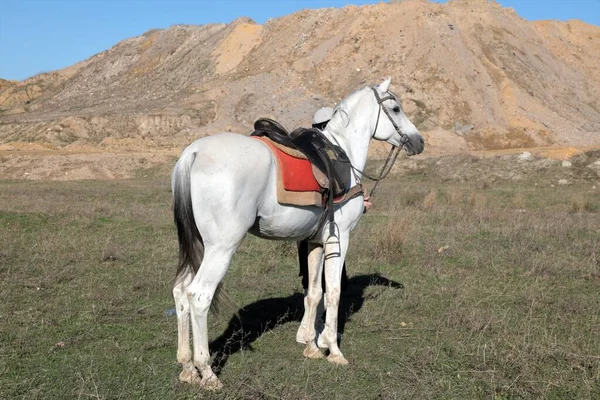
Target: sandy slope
<point x="472" y="75"/>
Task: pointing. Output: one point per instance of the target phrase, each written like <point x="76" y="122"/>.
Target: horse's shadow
<point x="263" y="315"/>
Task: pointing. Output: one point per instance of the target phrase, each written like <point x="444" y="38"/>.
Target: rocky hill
<point x="472" y="75"/>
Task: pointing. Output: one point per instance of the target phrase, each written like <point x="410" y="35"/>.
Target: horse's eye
<point x="396" y="109"/>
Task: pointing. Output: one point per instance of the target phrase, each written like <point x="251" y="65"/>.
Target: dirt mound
<point x="473" y="76"/>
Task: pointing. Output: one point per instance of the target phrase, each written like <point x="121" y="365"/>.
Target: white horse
<point x="225" y="186"/>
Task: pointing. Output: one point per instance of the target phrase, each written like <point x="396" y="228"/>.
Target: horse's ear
<point x="385" y="85"/>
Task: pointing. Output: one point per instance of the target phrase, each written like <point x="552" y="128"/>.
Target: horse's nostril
<point x="422" y="141"/>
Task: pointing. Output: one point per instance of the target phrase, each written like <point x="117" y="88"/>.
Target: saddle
<point x="331" y="166"/>
<point x="326" y="158"/>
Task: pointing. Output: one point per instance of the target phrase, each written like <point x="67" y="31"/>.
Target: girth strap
<point x="355" y="191"/>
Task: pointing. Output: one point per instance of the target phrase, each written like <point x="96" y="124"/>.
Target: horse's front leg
<point x="312" y="299"/>
<point x="334" y="261"/>
<point x="302" y="329"/>
<point x="189" y="374"/>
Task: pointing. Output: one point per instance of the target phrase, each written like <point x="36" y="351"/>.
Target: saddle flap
<point x="327" y="158"/>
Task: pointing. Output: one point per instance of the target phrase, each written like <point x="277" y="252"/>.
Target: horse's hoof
<point x="211" y="383"/>
<point x="337" y="359"/>
<point x="189" y="376"/>
<point x="312" y="353"/>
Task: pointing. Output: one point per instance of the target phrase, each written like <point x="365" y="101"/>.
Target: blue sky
<point x="44" y="35"/>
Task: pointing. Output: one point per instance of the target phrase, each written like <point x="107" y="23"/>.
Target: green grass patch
<point x="456" y="291"/>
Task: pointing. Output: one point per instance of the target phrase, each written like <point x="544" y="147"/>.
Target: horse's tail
<point x="191" y="245"/>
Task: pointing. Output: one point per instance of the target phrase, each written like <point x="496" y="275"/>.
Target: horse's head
<point x="393" y="126"/>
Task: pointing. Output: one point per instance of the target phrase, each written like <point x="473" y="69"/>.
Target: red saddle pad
<point x="296" y="173"/>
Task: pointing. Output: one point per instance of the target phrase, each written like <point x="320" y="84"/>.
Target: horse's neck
<point x="354" y="139"/>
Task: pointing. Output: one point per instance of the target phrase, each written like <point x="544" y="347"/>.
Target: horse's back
<point x="230" y="153"/>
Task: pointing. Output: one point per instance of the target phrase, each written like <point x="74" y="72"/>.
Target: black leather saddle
<point x="326" y="156"/>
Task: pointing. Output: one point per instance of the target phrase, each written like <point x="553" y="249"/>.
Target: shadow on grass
<point x="264" y="315"/>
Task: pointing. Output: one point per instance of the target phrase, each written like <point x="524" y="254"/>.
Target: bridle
<point x="394" y="151"/>
<point x="387" y="167"/>
<point x="404" y="139"/>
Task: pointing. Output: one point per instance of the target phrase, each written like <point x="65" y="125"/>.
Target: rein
<point x="385" y="170"/>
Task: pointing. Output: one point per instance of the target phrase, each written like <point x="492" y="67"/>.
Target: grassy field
<point x="460" y="290"/>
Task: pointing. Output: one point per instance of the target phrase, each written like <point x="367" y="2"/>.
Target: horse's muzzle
<point x="415" y="144"/>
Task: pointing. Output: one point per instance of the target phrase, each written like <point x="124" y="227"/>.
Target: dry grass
<point x="581" y="204"/>
<point x="391" y="238"/>
<point x="430" y="200"/>
<point x="477" y="200"/>
<point x="519" y="201"/>
<point x="508" y="309"/>
<point x="454" y="196"/>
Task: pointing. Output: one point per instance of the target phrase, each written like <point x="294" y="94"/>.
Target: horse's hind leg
<point x="189" y="374"/>
<point x="200" y="295"/>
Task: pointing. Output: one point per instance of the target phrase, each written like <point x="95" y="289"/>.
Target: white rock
<point x="525" y="156"/>
<point x="566" y="164"/>
<point x="563" y="182"/>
